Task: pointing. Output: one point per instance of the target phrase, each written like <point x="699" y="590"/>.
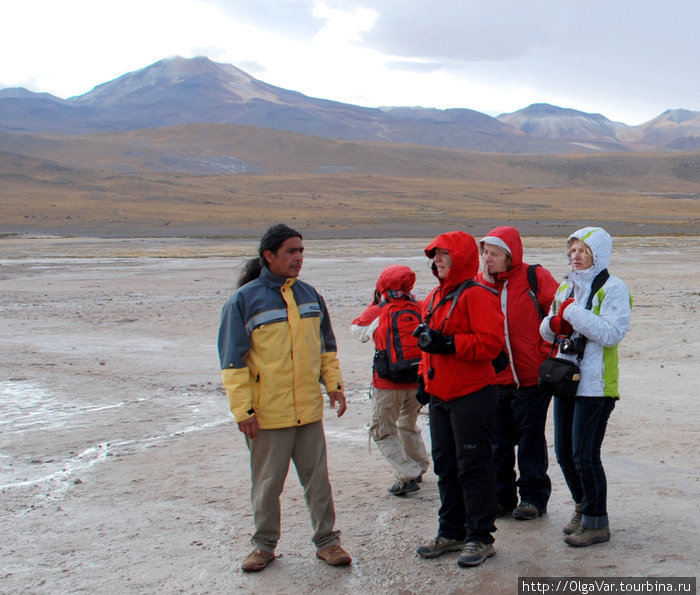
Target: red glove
<point x="564" y="305"/>
<point x="560" y="326"/>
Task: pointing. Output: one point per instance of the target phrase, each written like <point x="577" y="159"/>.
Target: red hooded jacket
<point x="526" y="348"/>
<point x="394" y="284"/>
<point x="476" y="323"/>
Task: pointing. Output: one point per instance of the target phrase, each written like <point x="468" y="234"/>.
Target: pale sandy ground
<point x="123" y="472"/>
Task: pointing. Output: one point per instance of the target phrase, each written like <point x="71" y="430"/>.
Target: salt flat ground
<point x="121" y="469"/>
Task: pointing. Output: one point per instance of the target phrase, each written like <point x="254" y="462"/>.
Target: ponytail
<point x="251" y="270"/>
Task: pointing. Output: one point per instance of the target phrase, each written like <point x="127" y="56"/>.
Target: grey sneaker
<point x="475" y="553"/>
<point x="526" y="511"/>
<point x="439" y="547"/>
<point x="583" y="537"/>
<point x="401" y="488"/>
<point x="575" y="522"/>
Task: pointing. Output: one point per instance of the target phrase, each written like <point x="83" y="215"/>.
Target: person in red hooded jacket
<point x="461" y="336"/>
<point x="393" y="425"/>
<point x="522" y="408"/>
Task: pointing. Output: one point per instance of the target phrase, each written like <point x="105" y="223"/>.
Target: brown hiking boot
<point x="334" y="555"/>
<point x="474" y="553"/>
<point x="575" y="522"/>
<point x="440" y="546"/>
<point x="257" y="560"/>
<point x="584" y="537"/>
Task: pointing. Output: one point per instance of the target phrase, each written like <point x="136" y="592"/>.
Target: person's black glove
<point x="421" y="396"/>
<point x="438" y="343"/>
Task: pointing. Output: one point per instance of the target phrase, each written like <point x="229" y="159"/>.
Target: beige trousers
<point x="270" y="454"/>
<point x="395" y="431"/>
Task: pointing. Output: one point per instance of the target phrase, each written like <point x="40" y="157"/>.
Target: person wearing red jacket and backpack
<point x="522" y="407"/>
<point x="461" y="335"/>
<point x="393" y="425"/>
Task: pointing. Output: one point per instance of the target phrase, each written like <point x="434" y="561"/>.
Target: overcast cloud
<point x="627" y="59"/>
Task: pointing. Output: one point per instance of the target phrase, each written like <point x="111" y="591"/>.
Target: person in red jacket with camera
<point x="461" y="334"/>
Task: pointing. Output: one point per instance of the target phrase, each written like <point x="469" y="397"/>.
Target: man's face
<point x="287" y="261"/>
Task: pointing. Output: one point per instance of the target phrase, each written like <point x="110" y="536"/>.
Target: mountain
<point x="542" y="120"/>
<point x="178" y="91"/>
<point x="677" y="129"/>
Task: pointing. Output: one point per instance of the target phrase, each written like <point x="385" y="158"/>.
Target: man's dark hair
<point x="274" y="238"/>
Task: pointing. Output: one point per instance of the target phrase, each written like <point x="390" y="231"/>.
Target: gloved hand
<point x="564" y="305"/>
<point x="560" y="326"/>
<point x="421" y="396"/>
<point x="439" y="343"/>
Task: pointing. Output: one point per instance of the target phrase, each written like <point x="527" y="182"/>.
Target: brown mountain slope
<point x="128" y="183"/>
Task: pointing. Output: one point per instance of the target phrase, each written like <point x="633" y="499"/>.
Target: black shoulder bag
<point x="558" y="376"/>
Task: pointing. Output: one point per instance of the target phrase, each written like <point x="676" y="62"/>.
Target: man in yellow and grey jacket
<point x="276" y="346"/>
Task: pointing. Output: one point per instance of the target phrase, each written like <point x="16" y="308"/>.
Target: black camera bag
<point x="559" y="376"/>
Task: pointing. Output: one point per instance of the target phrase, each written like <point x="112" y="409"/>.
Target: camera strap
<point x="597" y="283"/>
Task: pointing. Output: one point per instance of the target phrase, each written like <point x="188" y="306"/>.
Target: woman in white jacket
<point x="580" y="422"/>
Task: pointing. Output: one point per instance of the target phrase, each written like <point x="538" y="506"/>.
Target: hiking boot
<point x="575" y="522"/>
<point x="401" y="488"/>
<point x="334" y="555"/>
<point x="475" y="553"/>
<point x="584" y="537"/>
<point x="257" y="560"/>
<point x="439" y="547"/>
<point x="526" y="511"/>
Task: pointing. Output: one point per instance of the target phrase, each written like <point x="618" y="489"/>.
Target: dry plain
<point x="164" y="183"/>
<point x="123" y="472"/>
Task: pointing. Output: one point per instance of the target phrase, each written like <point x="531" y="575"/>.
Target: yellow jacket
<point x="277" y="346"/>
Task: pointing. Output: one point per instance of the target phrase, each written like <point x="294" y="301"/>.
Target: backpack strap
<point x="454" y="296"/>
<point x="532" y="292"/>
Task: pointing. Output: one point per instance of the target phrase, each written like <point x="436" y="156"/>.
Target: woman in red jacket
<point x="462" y="333"/>
<point x="522" y="408"/>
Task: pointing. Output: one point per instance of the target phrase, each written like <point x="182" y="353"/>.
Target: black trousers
<point x="520" y="422"/>
<point x="462" y="433"/>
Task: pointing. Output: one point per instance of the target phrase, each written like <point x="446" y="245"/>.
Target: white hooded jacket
<point x="605" y="324"/>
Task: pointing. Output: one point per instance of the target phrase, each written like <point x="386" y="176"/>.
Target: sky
<point x="629" y="60"/>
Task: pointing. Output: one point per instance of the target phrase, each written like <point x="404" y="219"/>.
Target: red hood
<point x="464" y="253"/>
<point x="508" y="238"/>
<point x="396" y="278"/>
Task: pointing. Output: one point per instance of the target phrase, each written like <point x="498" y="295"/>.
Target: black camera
<point x="422" y="332"/>
<point x="573" y="346"/>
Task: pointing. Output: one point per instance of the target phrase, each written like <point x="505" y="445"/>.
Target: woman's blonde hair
<point x="586" y="247"/>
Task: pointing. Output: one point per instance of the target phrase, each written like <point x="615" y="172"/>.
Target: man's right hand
<point x="250" y="427"/>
